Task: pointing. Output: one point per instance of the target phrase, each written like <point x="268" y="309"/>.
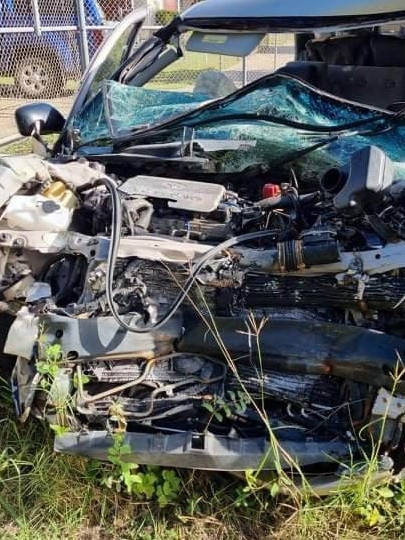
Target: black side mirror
<point x="38" y="119"/>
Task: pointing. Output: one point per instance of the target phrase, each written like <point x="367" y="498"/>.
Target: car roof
<point x="276" y="15"/>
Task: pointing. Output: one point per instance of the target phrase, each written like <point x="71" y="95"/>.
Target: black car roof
<point x="290" y="15"/>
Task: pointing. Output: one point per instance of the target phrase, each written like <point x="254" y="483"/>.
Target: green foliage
<point x="59" y="430"/>
<point x="46" y="495"/>
<point x="168" y="486"/>
<point x="259" y="490"/>
<point x="117" y="416"/>
<point x="49" y="365"/>
<point x="123" y="472"/>
<point x="235" y="403"/>
<point x="82" y="380"/>
<point x="153" y="483"/>
<point x="24" y="145"/>
<point x="164" y="16"/>
<point x="383" y="505"/>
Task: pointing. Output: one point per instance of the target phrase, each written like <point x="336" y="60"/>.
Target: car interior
<point x="368" y="67"/>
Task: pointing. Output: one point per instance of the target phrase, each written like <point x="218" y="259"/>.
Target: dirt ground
<point x="8" y="105"/>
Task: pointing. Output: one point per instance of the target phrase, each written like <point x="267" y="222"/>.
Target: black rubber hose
<point x="286" y="122"/>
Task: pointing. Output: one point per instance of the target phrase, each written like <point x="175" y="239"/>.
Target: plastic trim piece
<point x="195" y="451"/>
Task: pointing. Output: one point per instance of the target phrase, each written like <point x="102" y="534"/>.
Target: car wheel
<point x="38" y="77"/>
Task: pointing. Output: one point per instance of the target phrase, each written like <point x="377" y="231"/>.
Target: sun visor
<point x="225" y="44"/>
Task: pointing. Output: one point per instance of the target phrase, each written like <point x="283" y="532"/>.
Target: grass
<point x="199" y="61"/>
<point x="22" y="146"/>
<point x="52" y="496"/>
<point x="46" y="495"/>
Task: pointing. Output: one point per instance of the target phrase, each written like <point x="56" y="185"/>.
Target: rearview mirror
<point x="38" y="119"/>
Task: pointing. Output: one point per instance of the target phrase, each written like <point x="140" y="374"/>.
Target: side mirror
<point x="38" y="119"/>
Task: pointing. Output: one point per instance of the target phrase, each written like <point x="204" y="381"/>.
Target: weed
<point x="122" y="472"/>
<point x="235" y="403"/>
<point x="151" y="483"/>
<point x="49" y="365"/>
<point x="54" y="382"/>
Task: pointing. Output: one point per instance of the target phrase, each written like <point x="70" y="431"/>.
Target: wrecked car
<point x="218" y="270"/>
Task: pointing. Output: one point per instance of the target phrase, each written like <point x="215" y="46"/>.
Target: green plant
<point x="55" y="381"/>
<point x="152" y="483"/>
<point x="122" y="474"/>
<point x="235" y="402"/>
<point x="48" y="365"/>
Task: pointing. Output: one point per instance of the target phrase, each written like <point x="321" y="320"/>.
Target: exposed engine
<point x="198" y="315"/>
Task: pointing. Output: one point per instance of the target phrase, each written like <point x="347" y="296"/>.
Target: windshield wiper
<point x="314" y="128"/>
<point x="181" y="148"/>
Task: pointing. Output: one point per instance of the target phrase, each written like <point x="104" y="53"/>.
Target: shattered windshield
<point x="284" y="118"/>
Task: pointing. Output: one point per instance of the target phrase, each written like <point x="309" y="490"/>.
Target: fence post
<point x="36" y="17"/>
<point x="244" y="71"/>
<point x="276" y="53"/>
<point x="83" y="43"/>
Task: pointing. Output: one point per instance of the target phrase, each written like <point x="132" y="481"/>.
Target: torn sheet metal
<point x="23" y="334"/>
<point x="102" y="336"/>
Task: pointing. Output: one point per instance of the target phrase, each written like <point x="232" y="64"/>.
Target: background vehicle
<point x="41" y="64"/>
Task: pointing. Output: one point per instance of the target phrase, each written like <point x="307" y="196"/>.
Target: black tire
<point x="38" y="77"/>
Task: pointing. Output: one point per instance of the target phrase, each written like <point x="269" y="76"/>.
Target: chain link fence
<point x="45" y="46"/>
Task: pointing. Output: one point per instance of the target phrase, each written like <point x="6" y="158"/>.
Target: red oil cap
<point x="270" y="190"/>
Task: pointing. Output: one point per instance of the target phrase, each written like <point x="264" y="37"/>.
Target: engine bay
<point x="200" y="316"/>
